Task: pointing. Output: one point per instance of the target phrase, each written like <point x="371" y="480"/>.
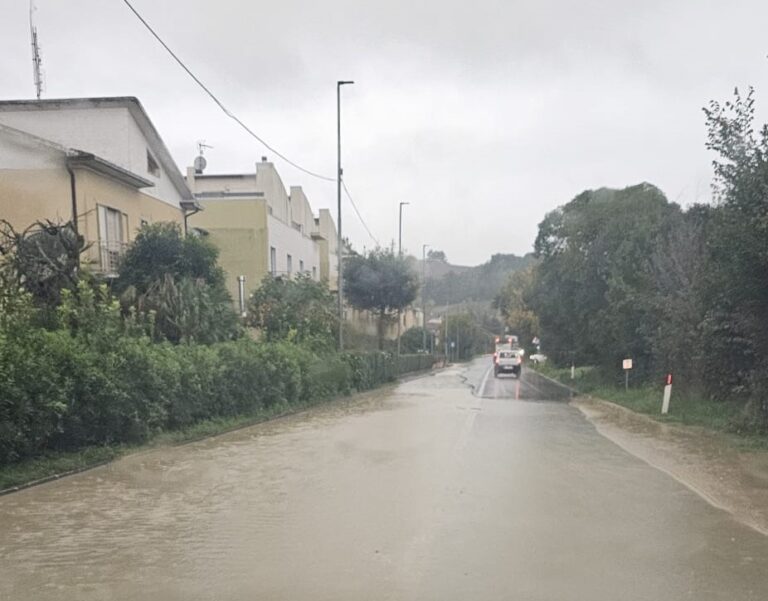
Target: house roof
<point x="79" y="158"/>
<point x="136" y="110"/>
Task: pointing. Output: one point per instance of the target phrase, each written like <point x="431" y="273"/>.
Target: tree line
<point x="628" y="274"/>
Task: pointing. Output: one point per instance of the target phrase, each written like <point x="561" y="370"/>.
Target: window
<point x="111" y="238"/>
<point x="152" y="165"/>
<point x="301" y="266"/>
<point x="290" y="264"/>
<point x="272" y="260"/>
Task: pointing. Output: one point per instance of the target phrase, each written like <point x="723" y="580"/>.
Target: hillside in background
<point x="450" y="284"/>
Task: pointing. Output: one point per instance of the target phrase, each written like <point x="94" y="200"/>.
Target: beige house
<point x="366" y="322"/>
<point x="97" y="160"/>
<point x="260" y="228"/>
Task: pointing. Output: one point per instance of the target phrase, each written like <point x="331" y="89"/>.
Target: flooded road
<point x="452" y="486"/>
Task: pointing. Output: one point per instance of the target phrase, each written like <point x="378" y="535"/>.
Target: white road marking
<point x="483" y="382"/>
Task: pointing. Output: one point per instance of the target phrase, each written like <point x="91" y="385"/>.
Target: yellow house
<point x="97" y="160"/>
<point x="261" y="228"/>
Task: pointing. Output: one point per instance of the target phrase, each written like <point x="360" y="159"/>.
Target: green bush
<point x="95" y="381"/>
<point x="369" y="370"/>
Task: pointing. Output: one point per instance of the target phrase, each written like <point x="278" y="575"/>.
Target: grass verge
<point x="685" y="408"/>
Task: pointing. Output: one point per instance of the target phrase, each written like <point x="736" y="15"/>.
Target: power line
<point x="237" y="120"/>
<point x="227" y="112"/>
<point x="359" y="216"/>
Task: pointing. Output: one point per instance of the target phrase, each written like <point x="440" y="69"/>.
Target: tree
<point x="737" y="287"/>
<point x="594" y="290"/>
<point x="298" y="310"/>
<point x="437" y="255"/>
<point x="381" y="282"/>
<point x="175" y="282"/>
<point x="512" y="301"/>
<point x="44" y="259"/>
<point x="463" y="331"/>
<point x="413" y="338"/>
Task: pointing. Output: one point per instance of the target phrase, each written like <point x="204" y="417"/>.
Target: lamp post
<point x="400" y="254"/>
<point x="423" y="296"/>
<point x="339" y="244"/>
<point x="400" y="231"/>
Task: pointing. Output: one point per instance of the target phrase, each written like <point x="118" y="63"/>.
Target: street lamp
<point x="400" y="229"/>
<point x="400" y="254"/>
<point x="423" y="296"/>
<point x="339" y="249"/>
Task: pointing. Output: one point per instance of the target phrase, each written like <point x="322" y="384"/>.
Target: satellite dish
<point x="200" y="164"/>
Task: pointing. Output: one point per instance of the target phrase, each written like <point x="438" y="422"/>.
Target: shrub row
<point x="64" y="392"/>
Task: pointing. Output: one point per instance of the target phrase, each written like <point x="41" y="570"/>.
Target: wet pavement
<point x="456" y="485"/>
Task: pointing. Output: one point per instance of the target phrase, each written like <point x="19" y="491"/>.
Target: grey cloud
<point x="483" y="114"/>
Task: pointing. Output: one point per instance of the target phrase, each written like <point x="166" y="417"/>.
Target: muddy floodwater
<point x="451" y="486"/>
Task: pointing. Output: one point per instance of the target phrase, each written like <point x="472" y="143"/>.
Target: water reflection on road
<point x="431" y="490"/>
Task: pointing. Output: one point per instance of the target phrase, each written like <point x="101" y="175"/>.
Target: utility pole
<point x="458" y="339"/>
<point x="339" y="242"/>
<point x="423" y="296"/>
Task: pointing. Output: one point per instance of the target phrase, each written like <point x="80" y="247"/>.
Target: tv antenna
<point x="200" y="162"/>
<point x="36" y="60"/>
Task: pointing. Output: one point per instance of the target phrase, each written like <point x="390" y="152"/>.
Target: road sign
<point x="627" y="364"/>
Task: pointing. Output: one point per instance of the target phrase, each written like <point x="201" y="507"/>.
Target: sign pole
<point x="626" y="365"/>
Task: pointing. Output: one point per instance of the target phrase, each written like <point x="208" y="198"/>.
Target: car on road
<point x="508" y="361"/>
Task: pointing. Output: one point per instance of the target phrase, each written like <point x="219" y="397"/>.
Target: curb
<point x="85" y="468"/>
<point x="573" y="391"/>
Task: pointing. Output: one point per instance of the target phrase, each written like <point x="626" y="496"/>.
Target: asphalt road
<point x="451" y="486"/>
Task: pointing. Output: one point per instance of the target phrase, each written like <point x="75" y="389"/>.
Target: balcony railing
<point x="110" y="254"/>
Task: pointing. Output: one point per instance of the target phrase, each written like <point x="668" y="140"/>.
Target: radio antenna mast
<point x="36" y="60"/>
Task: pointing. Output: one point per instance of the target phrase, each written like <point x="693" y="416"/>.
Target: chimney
<point x="191" y="171"/>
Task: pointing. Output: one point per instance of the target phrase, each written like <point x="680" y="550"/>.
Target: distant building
<point x="367" y="322"/>
<point x="260" y="228"/>
<point x="99" y="161"/>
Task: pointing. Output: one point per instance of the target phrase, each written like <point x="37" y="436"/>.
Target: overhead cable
<point x="237" y="120"/>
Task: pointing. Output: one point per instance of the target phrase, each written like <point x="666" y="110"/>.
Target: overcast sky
<point x="484" y="115"/>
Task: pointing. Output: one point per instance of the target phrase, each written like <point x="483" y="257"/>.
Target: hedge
<point x="65" y="392"/>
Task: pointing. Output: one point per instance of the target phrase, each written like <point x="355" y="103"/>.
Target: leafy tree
<point x="437" y="255"/>
<point x="469" y="339"/>
<point x="298" y="310"/>
<point x="513" y="303"/>
<point x="175" y="282"/>
<point x="413" y="339"/>
<point x="382" y="282"/>
<point x="160" y="249"/>
<point x="737" y="292"/>
<point x="593" y="290"/>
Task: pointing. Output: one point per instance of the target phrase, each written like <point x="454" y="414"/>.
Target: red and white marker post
<point x="667" y="395"/>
